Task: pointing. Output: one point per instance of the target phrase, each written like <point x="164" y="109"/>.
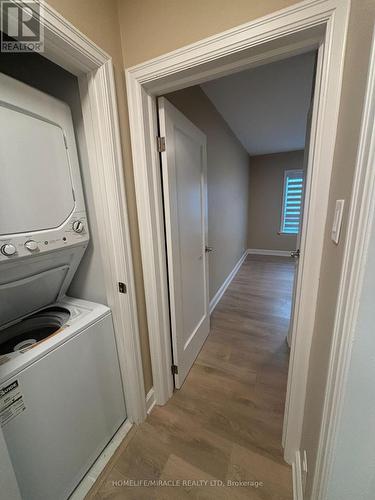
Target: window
<point x="292" y="202"/>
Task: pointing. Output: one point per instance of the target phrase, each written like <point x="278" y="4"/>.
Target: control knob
<point x="31" y="245"/>
<point x="8" y="249"/>
<point x="78" y="226"/>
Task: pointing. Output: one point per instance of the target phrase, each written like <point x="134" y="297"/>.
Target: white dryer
<point x="61" y="396"/>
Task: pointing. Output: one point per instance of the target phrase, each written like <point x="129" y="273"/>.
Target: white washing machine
<point x="61" y="395"/>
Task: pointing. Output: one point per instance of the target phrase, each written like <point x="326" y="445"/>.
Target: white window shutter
<point x="292" y="202"/>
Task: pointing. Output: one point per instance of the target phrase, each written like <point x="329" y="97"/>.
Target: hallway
<point x="226" y="421"/>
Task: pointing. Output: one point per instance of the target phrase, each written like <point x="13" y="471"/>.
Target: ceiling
<point x="266" y="107"/>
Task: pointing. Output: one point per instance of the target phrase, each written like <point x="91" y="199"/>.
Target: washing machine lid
<point x="21" y="297"/>
<point x="32" y="284"/>
<point x="36" y="191"/>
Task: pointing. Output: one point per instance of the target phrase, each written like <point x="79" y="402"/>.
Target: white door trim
<point x="187" y="66"/>
<point x="70" y="49"/>
<point x="361" y="215"/>
<point x="297" y="477"/>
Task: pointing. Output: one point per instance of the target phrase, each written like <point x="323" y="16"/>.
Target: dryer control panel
<point x="74" y="231"/>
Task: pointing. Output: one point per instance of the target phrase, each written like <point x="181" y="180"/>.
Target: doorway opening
<point x="233" y="168"/>
<point x="292" y="31"/>
<point x="234" y="164"/>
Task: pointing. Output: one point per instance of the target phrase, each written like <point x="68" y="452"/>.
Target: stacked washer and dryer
<point x="61" y="395"/>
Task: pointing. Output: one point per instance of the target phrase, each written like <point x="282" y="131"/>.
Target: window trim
<point x="286" y="173"/>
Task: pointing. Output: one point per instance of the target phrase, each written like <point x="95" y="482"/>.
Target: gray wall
<point x="88" y="282"/>
<point x="227" y="183"/>
<point x="266" y="198"/>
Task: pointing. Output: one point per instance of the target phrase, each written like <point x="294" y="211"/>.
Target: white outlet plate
<point x="337" y="221"/>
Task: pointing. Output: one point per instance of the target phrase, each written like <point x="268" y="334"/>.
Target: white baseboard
<point x="297" y="477"/>
<point x="276" y="253"/>
<point x="150" y="400"/>
<point x="224" y="286"/>
<point x="92" y="475"/>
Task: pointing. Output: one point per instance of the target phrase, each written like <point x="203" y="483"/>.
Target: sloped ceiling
<point x="266" y="107"/>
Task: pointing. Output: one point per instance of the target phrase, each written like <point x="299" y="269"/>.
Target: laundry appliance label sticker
<point x="11" y="402"/>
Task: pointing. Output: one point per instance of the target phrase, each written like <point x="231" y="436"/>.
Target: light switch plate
<point x="337" y="220"/>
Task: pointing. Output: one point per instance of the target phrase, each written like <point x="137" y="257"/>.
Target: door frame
<point x="67" y="47"/>
<point x="303" y="26"/>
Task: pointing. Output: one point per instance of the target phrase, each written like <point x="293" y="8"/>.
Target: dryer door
<point x="36" y="191"/>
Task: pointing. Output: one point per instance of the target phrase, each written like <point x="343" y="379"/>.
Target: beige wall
<point x="266" y="198"/>
<point x="227" y="183"/>
<point x="151" y="27"/>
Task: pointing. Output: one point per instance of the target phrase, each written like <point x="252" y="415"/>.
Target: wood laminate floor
<point x="225" y="423"/>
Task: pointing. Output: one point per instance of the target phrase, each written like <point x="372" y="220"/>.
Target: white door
<point x="184" y="171"/>
<point x="296" y="253"/>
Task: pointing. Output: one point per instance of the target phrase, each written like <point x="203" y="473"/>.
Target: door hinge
<point x="174" y="369"/>
<point x="160" y="144"/>
<point x="122" y="287"/>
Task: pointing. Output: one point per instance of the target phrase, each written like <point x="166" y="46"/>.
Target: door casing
<point x="304" y="26"/>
